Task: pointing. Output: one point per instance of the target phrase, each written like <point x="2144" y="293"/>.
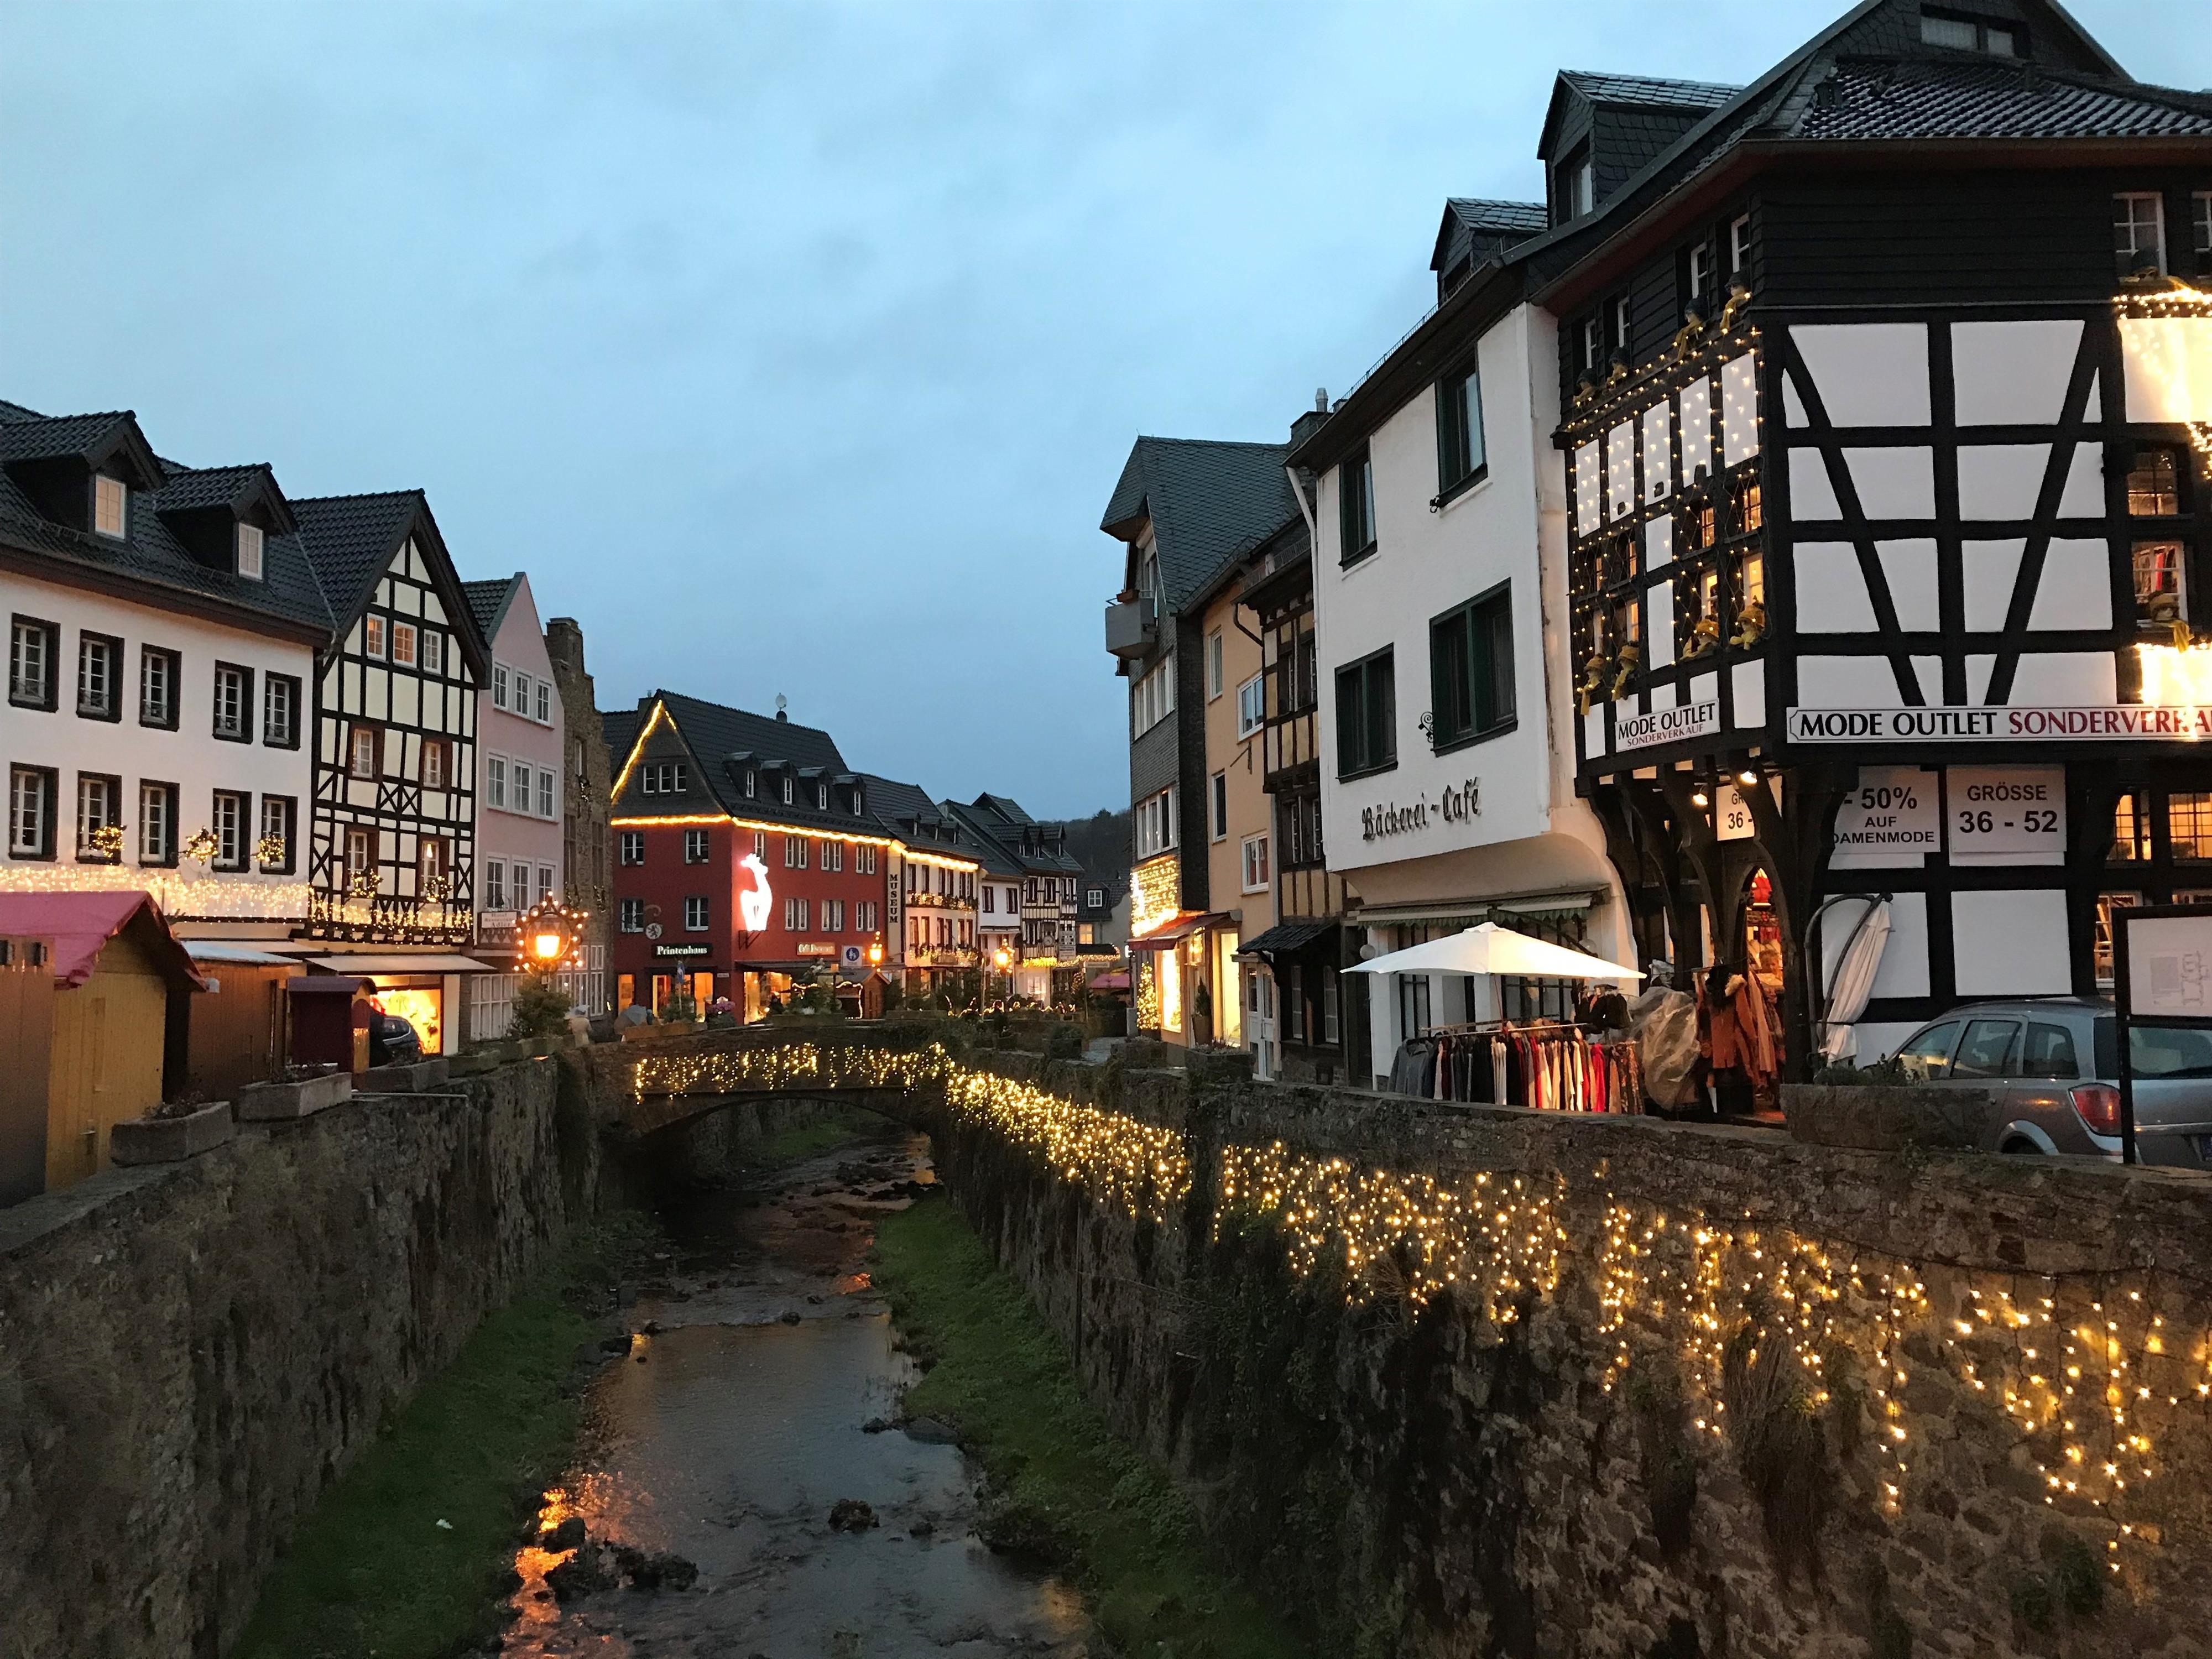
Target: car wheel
<point x="2019" y="1144"/>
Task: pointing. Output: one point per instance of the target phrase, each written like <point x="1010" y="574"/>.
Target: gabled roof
<point x="714" y="730"/>
<point x="351" y="541"/>
<point x="489" y="600"/>
<point x="619" y="728"/>
<point x="150" y="554"/>
<point x="726" y="743"/>
<point x="1888" y="98"/>
<point x="1641" y="92"/>
<point x="237" y="489"/>
<point x="80" y="924"/>
<point x="1000" y="823"/>
<point x="1207" y="501"/>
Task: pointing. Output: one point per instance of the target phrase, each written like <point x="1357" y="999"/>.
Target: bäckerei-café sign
<point x="2019" y="722"/>
<point x="1456" y="804"/>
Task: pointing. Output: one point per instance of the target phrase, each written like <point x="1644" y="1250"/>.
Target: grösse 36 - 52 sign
<point x="2120" y="722"/>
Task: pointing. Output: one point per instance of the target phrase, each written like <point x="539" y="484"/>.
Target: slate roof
<point x="727" y="741"/>
<point x="906" y="810"/>
<point x="1647" y="91"/>
<point x="210" y="486"/>
<point x="350" y="540"/>
<point x="1483" y="216"/>
<point x="714" y="730"/>
<point x="1916" y="99"/>
<point x="151" y="554"/>
<point x="619" y="727"/>
<point x="488" y="601"/>
<point x="1000" y="822"/>
<point x="1207" y="499"/>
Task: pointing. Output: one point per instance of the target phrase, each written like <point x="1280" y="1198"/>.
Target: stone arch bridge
<point x="673" y="1081"/>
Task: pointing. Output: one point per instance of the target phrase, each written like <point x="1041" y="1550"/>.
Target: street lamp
<point x="549" y="932"/>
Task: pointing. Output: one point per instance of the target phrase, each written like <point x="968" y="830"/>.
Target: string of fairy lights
<point x="2093" y="1373"/>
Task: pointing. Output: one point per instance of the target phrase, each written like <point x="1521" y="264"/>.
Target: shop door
<point x="1228" y="991"/>
<point x="1259" y="1023"/>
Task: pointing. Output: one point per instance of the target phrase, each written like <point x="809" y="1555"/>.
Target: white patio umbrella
<point x="1853" y="981"/>
<point x="1491" y="949"/>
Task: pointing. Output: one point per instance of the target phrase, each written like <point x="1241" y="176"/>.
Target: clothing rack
<point x="1549" y="1064"/>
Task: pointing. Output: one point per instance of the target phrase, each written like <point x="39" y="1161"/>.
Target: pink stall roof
<point x="79" y="925"/>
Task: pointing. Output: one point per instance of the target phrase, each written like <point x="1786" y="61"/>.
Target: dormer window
<point x="1970" y="34"/>
<point x="110" y="499"/>
<point x="822" y="797"/>
<point x="249" y="551"/>
<point x="752" y="783"/>
<point x="1578" y="184"/>
<point x="787" y="791"/>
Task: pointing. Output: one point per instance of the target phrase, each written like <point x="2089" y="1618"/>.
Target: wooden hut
<point x="112" y="967"/>
<point x="237" y="1034"/>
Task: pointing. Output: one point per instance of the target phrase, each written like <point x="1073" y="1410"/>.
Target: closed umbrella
<point x="1852" y="982"/>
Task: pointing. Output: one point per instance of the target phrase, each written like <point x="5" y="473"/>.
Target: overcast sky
<point x="792" y="348"/>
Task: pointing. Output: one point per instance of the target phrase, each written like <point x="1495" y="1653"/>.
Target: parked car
<point x="2053" y="1065"/>
<point x="392" y="1041"/>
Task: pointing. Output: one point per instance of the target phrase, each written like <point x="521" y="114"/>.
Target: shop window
<point x="2101" y="949"/>
<point x="2161" y="593"/>
<point x="2189" y="827"/>
<point x="2131" y="829"/>
<point x="2154" y="484"/>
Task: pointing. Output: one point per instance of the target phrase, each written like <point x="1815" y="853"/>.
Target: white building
<point x="1439" y="594"/>
<point x="162" y="626"/>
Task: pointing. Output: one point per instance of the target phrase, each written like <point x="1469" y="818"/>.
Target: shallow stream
<point x="759" y="1393"/>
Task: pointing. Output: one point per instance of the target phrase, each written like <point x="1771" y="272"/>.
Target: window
<point x="1927" y="1057"/>
<point x="1462" y="458"/>
<point x="434" y="652"/>
<point x="2200" y="228"/>
<point x="1593" y="343"/>
<point x="545" y="792"/>
<point x="864" y="861"/>
<point x="99" y="666"/>
<point x="1700" y="272"/>
<point x="234" y="702"/>
<point x="432" y="867"/>
<point x="31" y="646"/>
<point x="495" y="780"/>
<point x="695" y="912"/>
<point x="2188" y="826"/>
<point x="1578" y="184"/>
<point x="1217" y="794"/>
<point x="280" y="712"/>
<point x="360" y="856"/>
<point x="1330" y="1006"/>
<point x="544" y="882"/>
<point x="109" y="500"/>
<point x="1213" y="665"/>
<point x="372" y="637"/>
<point x="157" y="688"/>
<point x="1256" y="864"/>
<point x="629" y="915"/>
<point x="795" y="916"/>
<point x="494" y="885"/>
<point x="31" y="811"/>
<point x="864" y="917"/>
<point x="2131" y="829"/>
<point x="752" y="783"/>
<point x="97" y="799"/>
<point x="833" y="915"/>
<point x="787" y="791"/>
<point x="629" y="847"/>
<point x="990" y="900"/>
<point x="1155" y="831"/>
<point x="2154" y="484"/>
<point x="2161" y="594"/>
<point x="544" y="704"/>
<point x="2048" y="1053"/>
<point x="663" y="778"/>
<point x="695" y="846"/>
<point x="1355" y="505"/>
<point x="1954" y="31"/>
<point x="519" y="797"/>
<point x="1740" y="247"/>
<point x="274" y="849"/>
<point x="1096" y="901"/>
<point x="1471" y="670"/>
<point x="364" y="750"/>
<point x="1621" y="314"/>
<point x="499" y="699"/>
<point x="760" y="845"/>
<point x="521" y="694"/>
<point x="229" y="827"/>
<point x="249" y="551"/>
<point x="437" y="763"/>
<point x="2138" y="232"/>
<point x="403" y="644"/>
<point x="795" y="852"/>
<point x="157" y="823"/>
<point x="1251" y="707"/>
<point x="1152" y="698"/>
<point x="833" y="855"/>
<point x="1366" y="715"/>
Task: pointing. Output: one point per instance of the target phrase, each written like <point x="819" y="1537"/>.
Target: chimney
<point x="1312" y="421"/>
<point x="564" y="643"/>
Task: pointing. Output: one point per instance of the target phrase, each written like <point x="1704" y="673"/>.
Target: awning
<point x="1186" y="923"/>
<point x="235" y="954"/>
<point x="1285" y="937"/>
<point x="1470" y="910"/>
<point x="367" y="964"/>
<point x="1491" y="949"/>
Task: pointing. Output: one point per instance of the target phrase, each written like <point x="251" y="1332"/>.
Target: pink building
<point x="521" y="743"/>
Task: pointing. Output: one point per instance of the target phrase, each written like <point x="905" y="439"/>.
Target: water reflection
<point x="726" y="1439"/>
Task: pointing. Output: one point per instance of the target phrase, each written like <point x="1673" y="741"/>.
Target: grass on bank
<point x="371" y="1571"/>
<point x="1063" y="1489"/>
<point x="839" y="1127"/>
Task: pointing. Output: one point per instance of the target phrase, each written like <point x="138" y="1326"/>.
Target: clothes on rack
<point x="1542" y="1064"/>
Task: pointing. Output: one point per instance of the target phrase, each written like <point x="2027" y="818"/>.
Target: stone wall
<point x="189" y="1353"/>
<point x="1455" y="1381"/>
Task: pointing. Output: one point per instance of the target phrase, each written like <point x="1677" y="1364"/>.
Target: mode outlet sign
<point x="2010" y="810"/>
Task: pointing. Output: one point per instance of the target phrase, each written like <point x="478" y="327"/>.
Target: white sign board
<point x="1732" y="819"/>
<point x="1667" y="726"/>
<point x="2115" y="723"/>
<point x="2007" y="809"/>
<point x="1892" y="810"/>
<point x="2170" y="965"/>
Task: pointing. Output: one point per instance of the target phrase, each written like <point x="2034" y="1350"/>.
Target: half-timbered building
<point x="1884" y="387"/>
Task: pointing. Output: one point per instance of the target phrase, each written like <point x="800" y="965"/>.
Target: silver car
<point x="2052" y="1066"/>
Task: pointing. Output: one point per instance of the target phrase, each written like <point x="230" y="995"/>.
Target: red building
<point x="746" y="856"/>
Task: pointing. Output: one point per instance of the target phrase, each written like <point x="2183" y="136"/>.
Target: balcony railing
<point x="1132" y="625"/>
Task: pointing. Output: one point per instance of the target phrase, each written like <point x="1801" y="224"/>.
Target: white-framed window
<point x="403" y="644"/>
<point x="663" y="778"/>
<point x="1156" y="826"/>
<point x="695" y="846"/>
<point x="1151" y="699"/>
<point x="360" y="851"/>
<point x="95" y="809"/>
<point x="990" y="899"/>
<point x="629" y="915"/>
<point x="833" y="855"/>
<point x="372" y="637"/>
<point x="2139" y="231"/>
<point x="275" y="846"/>
<point x="495" y="781"/>
<point x="499" y="685"/>
<point x="1740" y="245"/>
<point x="760" y="845"/>
<point x="1330" y="1006"/>
<point x="833" y="915"/>
<point x="1213" y="665"/>
<point x="863" y="859"/>
<point x="1701" y="272"/>
<point x="864" y="917"/>
<point x="545" y="792"/>
<point x="1251" y="705"/>
<point x="1256" y="864"/>
<point x="787" y="791"/>
<point x="752" y="783"/>
<point x="280" y="711"/>
<point x="31" y="663"/>
<point x="694" y="914"/>
<point x="521" y="694"/>
<point x="544" y="704"/>
<point x="821" y="797"/>
<point x="229" y="827"/>
<point x="230" y="702"/>
<point x="494" y="893"/>
<point x="249" y="551"/>
<point x="98" y="660"/>
<point x="157" y="688"/>
<point x="434" y="652"/>
<point x="544" y="882"/>
<point x="1097" y="898"/>
<point x="362" y="743"/>
<point x="629" y="847"/>
<point x="1216" y="796"/>
<point x="110" y="501"/>
<point x="157" y="823"/>
<point x="519" y="773"/>
<point x="794" y="916"/>
<point x="30" y="812"/>
<point x="2200" y="223"/>
<point x="437" y="767"/>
